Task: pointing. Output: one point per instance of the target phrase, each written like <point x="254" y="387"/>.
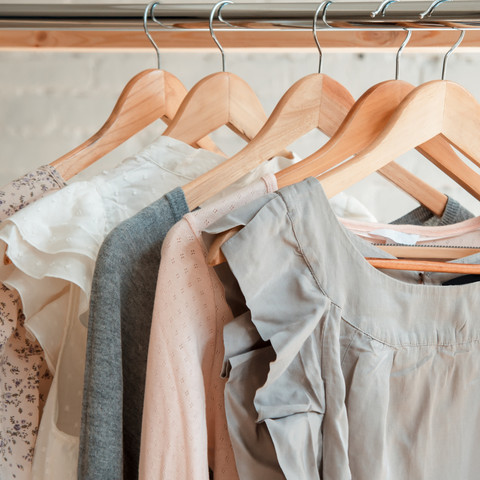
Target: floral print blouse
<point x="24" y="375"/>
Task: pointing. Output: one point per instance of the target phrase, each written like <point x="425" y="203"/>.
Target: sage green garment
<point x="354" y="372"/>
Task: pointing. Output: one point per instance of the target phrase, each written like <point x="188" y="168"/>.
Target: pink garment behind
<point x="25" y="378"/>
<point x="184" y="424"/>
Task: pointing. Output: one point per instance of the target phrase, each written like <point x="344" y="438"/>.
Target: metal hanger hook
<point x="314" y="30"/>
<point x="399" y="53"/>
<point x="152" y="14"/>
<point x="219" y="16"/>
<point x="428" y="12"/>
<point x="323" y="5"/>
<point x="218" y="7"/>
<point x="324" y="14"/>
<point x="445" y="60"/>
<point x="148" y="10"/>
<point x="382" y="8"/>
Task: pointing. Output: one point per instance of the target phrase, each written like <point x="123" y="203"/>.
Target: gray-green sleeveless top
<point x="338" y="370"/>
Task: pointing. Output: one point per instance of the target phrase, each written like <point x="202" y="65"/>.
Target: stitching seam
<point x="302" y="251"/>
<point x="348" y="346"/>
<point x="400" y="345"/>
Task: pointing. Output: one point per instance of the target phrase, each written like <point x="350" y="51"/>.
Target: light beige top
<point x="351" y="372"/>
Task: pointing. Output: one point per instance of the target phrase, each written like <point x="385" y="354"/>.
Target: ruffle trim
<point x="285" y="306"/>
<point x="52" y="245"/>
<point x="285" y="303"/>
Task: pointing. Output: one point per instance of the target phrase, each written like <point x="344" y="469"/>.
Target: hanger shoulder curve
<point x="336" y="103"/>
<point x="219" y="99"/>
<point x="419" y="118"/>
<point x="297" y="113"/>
<point x="213" y="88"/>
<point x="175" y="93"/>
<point x="359" y="128"/>
<point x="113" y="131"/>
<point x="461" y="121"/>
<point x="364" y="121"/>
<point x="150" y="95"/>
<point x="247" y="116"/>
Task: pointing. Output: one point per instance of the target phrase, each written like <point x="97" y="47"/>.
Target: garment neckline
<point x="351" y="243"/>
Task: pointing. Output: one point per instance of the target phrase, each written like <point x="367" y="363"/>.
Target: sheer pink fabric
<point x="184" y="424"/>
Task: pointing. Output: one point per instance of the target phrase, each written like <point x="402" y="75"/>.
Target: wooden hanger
<point x="150" y="95"/>
<point x="439" y="107"/>
<point x="365" y="121"/>
<point x="435" y="108"/>
<point x="217" y="100"/>
<point x="315" y="101"/>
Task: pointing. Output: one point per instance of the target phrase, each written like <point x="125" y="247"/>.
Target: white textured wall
<point x="51" y="102"/>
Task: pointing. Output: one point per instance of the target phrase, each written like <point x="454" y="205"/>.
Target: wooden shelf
<point x="355" y="41"/>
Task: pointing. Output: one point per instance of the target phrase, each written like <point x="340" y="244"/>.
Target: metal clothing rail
<point x="350" y="25"/>
<point x="258" y="16"/>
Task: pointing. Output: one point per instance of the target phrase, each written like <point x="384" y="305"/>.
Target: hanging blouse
<point x="186" y="353"/>
<point x="352" y="372"/>
<point x="25" y="378"/>
<point x="54" y="246"/>
<point x="168" y="448"/>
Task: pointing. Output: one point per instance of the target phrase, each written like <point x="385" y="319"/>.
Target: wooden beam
<point x="422" y="40"/>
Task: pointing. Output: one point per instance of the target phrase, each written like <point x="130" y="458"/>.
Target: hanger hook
<point x="323" y="5"/>
<point x="218" y="7"/>
<point x="382" y="8"/>
<point x="314" y="30"/>
<point x="148" y="10"/>
<point x="445" y="60"/>
<point x="152" y="14"/>
<point x="428" y="12"/>
<point x="399" y="53"/>
<point x="324" y="14"/>
<point x="219" y="16"/>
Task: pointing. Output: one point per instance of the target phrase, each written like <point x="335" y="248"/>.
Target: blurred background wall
<point x="52" y="102"/>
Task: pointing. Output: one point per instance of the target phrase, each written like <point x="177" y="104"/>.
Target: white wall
<point x="51" y="102"/>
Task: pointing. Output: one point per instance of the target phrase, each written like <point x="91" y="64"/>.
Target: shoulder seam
<point x="302" y="251"/>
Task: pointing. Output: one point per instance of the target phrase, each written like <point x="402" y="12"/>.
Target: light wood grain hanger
<point x="366" y="119"/>
<point x="436" y="108"/>
<point x="316" y="101"/>
<point x="439" y="107"/>
<point x="431" y="258"/>
<point x="217" y="100"/>
<point x="150" y="95"/>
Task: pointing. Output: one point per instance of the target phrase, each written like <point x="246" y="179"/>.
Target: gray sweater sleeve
<point x="121" y="308"/>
